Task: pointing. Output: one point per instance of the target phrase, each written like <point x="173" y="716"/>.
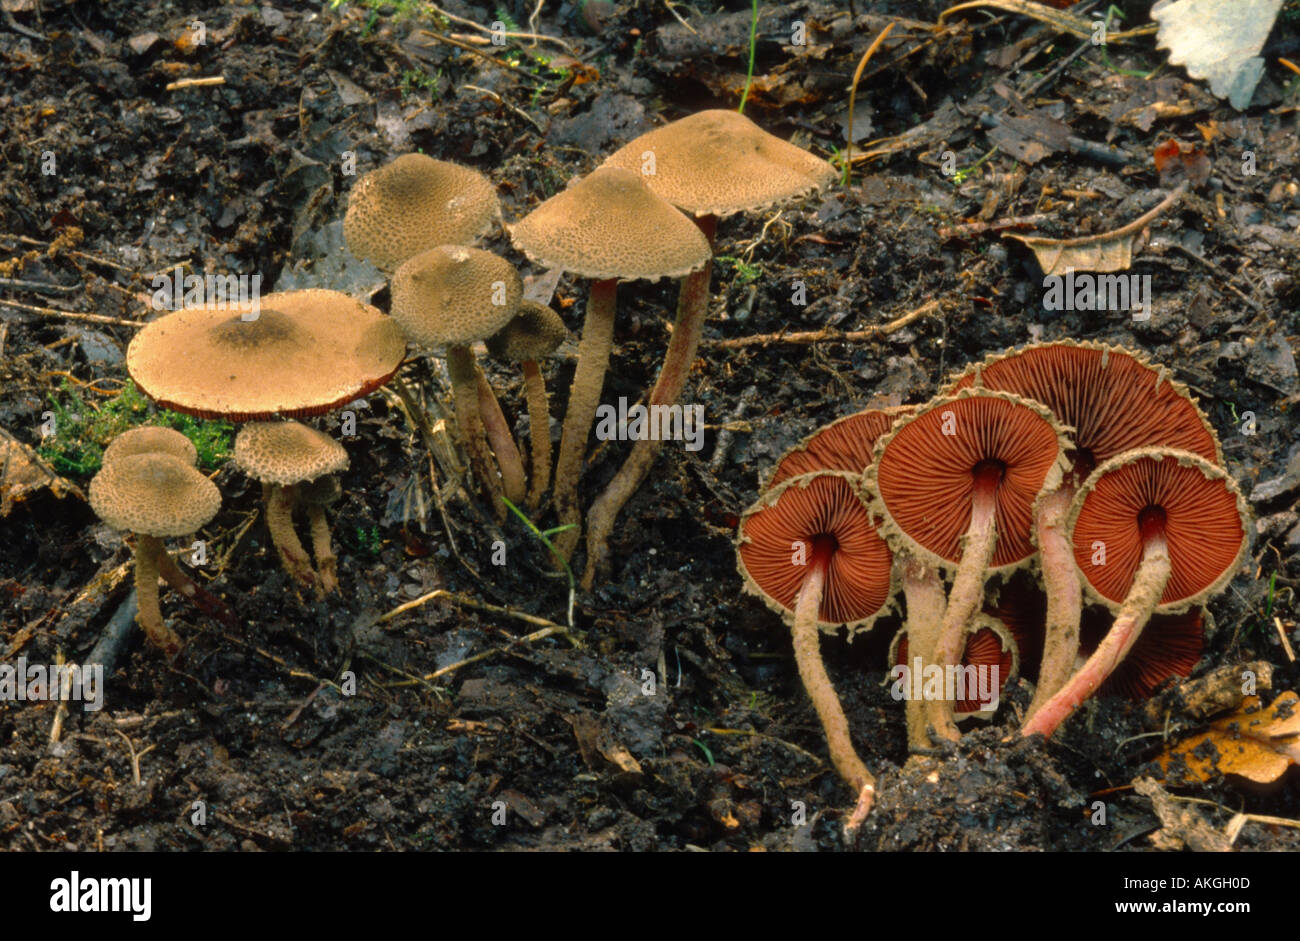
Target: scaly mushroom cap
<point x="846" y="444"/>
<point x="989" y="643"/>
<point x="153" y="494"/>
<point x="924" y="477"/>
<point x="719" y="163"/>
<point x="416" y="203"/>
<point x="287" y="452"/>
<point x="779" y="534"/>
<point x="1170" y="645"/>
<point x="308" y="352"/>
<point x="452" y="294"/>
<point x="152" y="439"/>
<point x="611" y="225"/>
<point x="1113" y="398"/>
<point x="1204" y="521"/>
<point x="533" y="333"/>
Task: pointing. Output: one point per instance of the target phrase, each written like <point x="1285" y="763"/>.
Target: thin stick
<point x="505" y="104"/>
<point x="195" y="83"/>
<point x="826" y="334"/>
<point x="1286" y="641"/>
<point x="469" y="602"/>
<point x="523" y="73"/>
<point x="853" y="97"/>
<point x="70" y="314"/>
<point x="509" y="35"/>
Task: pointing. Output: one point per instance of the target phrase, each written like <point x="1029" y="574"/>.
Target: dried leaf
<point x="1218" y="40"/>
<point x="1105" y="252"/>
<point x="1253" y="743"/>
<point x="1062" y="20"/>
<point x="23" y="473"/>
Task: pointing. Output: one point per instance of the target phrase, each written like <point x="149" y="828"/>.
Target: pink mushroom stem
<point x="1064" y="596"/>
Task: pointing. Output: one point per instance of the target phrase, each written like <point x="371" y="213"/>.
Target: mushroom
<point x="285" y="455"/>
<point x="316" y="496"/>
<point x="955" y="482"/>
<point x="1170" y="645"/>
<point x="846" y="444"/>
<point x="153" y="495"/>
<point x="451" y="296"/>
<point x="303" y="353"/>
<point x="711" y="164"/>
<point x="1153" y="529"/>
<point x="152" y="439"/>
<point x="607" y="226"/>
<point x="532" y="334"/>
<point x="416" y="203"/>
<point x="809" y="549"/>
<point x="989" y="644"/>
<point x="1114" y="400"/>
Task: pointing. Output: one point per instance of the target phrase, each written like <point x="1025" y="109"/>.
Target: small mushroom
<point x="153" y="495"/>
<point x="152" y="439"/>
<point x="711" y="164"/>
<point x="286" y="455"/>
<point x="606" y="227"/>
<point x="989" y="644"/>
<point x="846" y="444"/>
<point x="1153" y="529"/>
<point x="1114" y="400"/>
<point x="532" y="334"/>
<point x="451" y="296"/>
<point x="809" y="549"/>
<point x="956" y="482"/>
<point x="317" y="496"/>
<point x="416" y="203"/>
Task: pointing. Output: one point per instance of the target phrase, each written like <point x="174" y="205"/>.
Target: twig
<point x="483" y="29"/>
<point x="1286" y="641"/>
<point x="678" y="17"/>
<point x="723" y="443"/>
<point x="826" y="334"/>
<point x="115" y="635"/>
<point x="523" y="73"/>
<point x="526" y="639"/>
<point x="853" y="97"/>
<point x="978" y="228"/>
<point x="135" y="757"/>
<point x="195" y="82"/>
<point x="505" y="104"/>
<point x="39" y="287"/>
<point x="468" y="602"/>
<point x="69" y="314"/>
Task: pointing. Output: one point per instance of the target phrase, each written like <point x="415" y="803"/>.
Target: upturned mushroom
<point x="285" y="455"/>
<point x="152" y="439"/>
<point x="1153" y="529"/>
<point x="452" y="297"/>
<point x="416" y="203"/>
<point x="846" y="444"/>
<point x="532" y="334"/>
<point x="1113" y="400"/>
<point x="608" y="226"/>
<point x="711" y="164"/>
<point x="809" y="549"/>
<point x="990" y="655"/>
<point x="154" y="495"/>
<point x="955" y="482"/>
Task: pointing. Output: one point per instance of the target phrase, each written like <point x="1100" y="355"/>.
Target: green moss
<point x="82" y="430"/>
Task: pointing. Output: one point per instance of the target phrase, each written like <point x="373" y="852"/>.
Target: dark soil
<point x="724" y="752"/>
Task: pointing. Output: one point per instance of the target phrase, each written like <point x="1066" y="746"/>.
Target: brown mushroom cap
<point x="416" y="203"/>
<point x="924" y="480"/>
<point x="1204" y="524"/>
<point x="449" y="294"/>
<point x="805" y="510"/>
<point x="719" y="162"/>
<point x="989" y="643"/>
<point x="308" y="352"/>
<point x="533" y="333"/>
<point x="1113" y="398"/>
<point x="153" y="494"/>
<point x="152" y="439"/>
<point x="846" y="444"/>
<point x="287" y="452"/>
<point x="611" y="225"/>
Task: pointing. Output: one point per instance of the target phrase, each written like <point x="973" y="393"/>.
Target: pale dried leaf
<point x="1218" y="40"/>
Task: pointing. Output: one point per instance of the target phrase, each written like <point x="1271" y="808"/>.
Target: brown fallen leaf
<point x="23" y="473"/>
<point x="1253" y="743"/>
<point x="1104" y="252"/>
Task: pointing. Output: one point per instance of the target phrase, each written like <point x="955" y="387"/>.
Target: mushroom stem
<point x="967" y="591"/>
<point x="323" y="548"/>
<point x="279" y="521"/>
<point x="808" y="657"/>
<point x="923" y="590"/>
<point x="539" y="430"/>
<point x="500" y="439"/>
<point x="584" y="394"/>
<point x="148" y="549"/>
<point x="1064" y="596"/>
<point x="692" y="308"/>
<point x="1148" y="586"/>
<point x="202" y="599"/>
<point x="464" y="386"/>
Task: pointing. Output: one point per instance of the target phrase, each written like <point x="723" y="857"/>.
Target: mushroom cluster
<point x="1080" y="466"/>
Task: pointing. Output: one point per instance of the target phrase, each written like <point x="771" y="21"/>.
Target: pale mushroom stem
<point x="327" y="563"/>
<point x="967" y="591"/>
<point x="584" y="395"/>
<point x="808" y="657"/>
<point x="279" y="521"/>
<point x="1064" y="596"/>
<point x="464" y="386"/>
<point x="539" y="425"/>
<point x="692" y="308"/>
<point x="148" y="549"/>
<point x="923" y="590"/>
<point x="500" y="440"/>
<point x="1148" y="586"/>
